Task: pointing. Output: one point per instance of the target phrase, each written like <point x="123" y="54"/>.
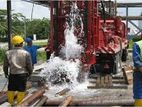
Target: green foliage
<point x="2" y="55"/>
<point x="131" y="44"/>
<point x="39" y="27"/>
<point x="40" y="43"/>
<point x="23" y="26"/>
<point x="136" y="38"/>
<point x="41" y="56"/>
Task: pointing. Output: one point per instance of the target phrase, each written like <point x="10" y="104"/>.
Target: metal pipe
<point x="127" y="17"/>
<point x="93" y="102"/>
<point x="31" y="99"/>
<point x="62" y="92"/>
<point x="129" y="4"/>
<point x="3" y="98"/>
<point x="41" y="101"/>
<point x="66" y="102"/>
<point x="9" y="23"/>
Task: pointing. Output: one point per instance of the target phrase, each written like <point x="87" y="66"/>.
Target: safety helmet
<point x="17" y="39"/>
<point x="28" y="40"/>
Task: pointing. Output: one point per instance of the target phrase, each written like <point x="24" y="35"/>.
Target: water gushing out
<point x="65" y="72"/>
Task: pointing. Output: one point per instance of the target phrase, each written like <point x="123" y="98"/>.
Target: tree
<point x="18" y="21"/>
<point x="39" y="27"/>
<point x="23" y="26"/>
<point x="3" y="27"/>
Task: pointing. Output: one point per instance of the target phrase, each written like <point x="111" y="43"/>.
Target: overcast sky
<point x="25" y="8"/>
<point x="40" y="11"/>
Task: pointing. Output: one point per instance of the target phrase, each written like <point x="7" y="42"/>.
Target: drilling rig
<point x="103" y="38"/>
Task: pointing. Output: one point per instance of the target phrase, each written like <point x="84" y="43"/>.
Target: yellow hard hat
<point x="17" y="40"/>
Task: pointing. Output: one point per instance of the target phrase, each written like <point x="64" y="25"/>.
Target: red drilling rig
<point x="104" y="38"/>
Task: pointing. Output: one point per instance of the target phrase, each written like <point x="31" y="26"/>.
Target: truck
<point x="104" y="36"/>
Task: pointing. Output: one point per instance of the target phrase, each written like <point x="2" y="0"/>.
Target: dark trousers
<point x="17" y="82"/>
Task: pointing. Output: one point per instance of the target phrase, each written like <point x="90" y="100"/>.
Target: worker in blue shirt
<point x="137" y="75"/>
<point x="32" y="49"/>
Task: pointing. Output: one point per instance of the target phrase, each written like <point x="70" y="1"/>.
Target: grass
<point x="41" y="56"/>
<point x="131" y="44"/>
<point x="40" y="43"/>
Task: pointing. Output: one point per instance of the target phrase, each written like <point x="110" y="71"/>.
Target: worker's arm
<point x="5" y="66"/>
<point x="136" y="57"/>
<point x="29" y="64"/>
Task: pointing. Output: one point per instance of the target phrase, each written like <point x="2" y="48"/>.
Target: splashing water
<point x="65" y="71"/>
<point x="72" y="49"/>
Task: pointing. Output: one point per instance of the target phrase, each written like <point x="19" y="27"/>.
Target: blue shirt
<point x="136" y="56"/>
<point x="137" y="76"/>
<point x="33" y="51"/>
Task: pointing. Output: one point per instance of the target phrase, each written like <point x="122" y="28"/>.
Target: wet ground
<point x="81" y="92"/>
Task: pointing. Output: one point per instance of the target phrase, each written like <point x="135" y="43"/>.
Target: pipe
<point x="3" y="98"/>
<point x="33" y="98"/>
<point x="62" y="92"/>
<point x="41" y="101"/>
<point x="108" y="87"/>
<point x="93" y="102"/>
<point x="66" y="102"/>
<point x="9" y="22"/>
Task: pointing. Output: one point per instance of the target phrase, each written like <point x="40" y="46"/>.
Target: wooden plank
<point x="128" y="74"/>
<point x="104" y="81"/>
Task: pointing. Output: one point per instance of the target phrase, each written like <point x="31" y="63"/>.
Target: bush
<point x="2" y="55"/>
<point x="41" y="56"/>
<point x="137" y="38"/>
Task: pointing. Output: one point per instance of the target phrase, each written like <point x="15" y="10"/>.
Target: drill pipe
<point x="62" y="92"/>
<point x="92" y="102"/>
<point x="33" y="98"/>
<point x="66" y="102"/>
<point x="3" y="98"/>
<point x="41" y="101"/>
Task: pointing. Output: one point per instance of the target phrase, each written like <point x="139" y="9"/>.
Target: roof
<point x="45" y="3"/>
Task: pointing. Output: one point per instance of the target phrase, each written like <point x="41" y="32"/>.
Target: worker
<point x="137" y="74"/>
<point x="17" y="68"/>
<point x="32" y="49"/>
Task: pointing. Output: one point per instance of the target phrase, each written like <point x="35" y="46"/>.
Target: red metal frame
<point x="100" y="37"/>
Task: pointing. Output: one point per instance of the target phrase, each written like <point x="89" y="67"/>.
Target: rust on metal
<point x="62" y="92"/>
<point x="33" y="98"/>
<point x="93" y="102"/>
<point x="41" y="101"/>
<point x="112" y="87"/>
<point x="66" y="102"/>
